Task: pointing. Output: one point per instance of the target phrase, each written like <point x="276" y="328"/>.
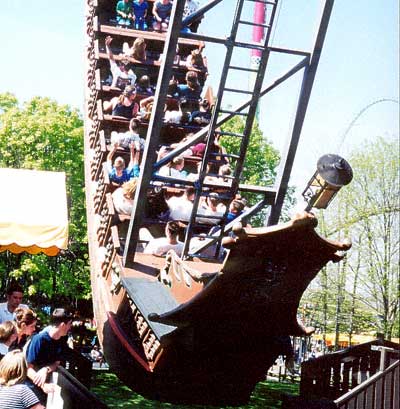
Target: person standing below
<point x="8" y="334"/>
<point x="161" y="12"/>
<point x="14" y="294"/>
<point x="13" y="392"/>
<point x="47" y="350"/>
<point x="25" y="321"/>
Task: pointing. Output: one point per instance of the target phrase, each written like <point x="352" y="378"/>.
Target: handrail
<point x="71" y="394"/>
<point x="332" y="375"/>
<point x="381" y="400"/>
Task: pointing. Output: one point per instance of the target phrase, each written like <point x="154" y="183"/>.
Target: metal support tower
<point x="272" y="196"/>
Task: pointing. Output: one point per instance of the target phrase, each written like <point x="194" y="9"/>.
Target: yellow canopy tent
<point x="33" y="211"/>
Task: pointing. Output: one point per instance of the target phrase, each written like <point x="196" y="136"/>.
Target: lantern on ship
<point x="332" y="173"/>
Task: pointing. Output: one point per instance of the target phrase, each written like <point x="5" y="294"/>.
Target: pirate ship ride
<point x="196" y="328"/>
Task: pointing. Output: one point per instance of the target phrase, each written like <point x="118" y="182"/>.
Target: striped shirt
<point x="17" y="397"/>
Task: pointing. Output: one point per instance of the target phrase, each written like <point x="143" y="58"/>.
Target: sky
<point x="43" y="55"/>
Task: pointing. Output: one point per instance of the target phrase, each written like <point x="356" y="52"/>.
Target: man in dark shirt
<point x="47" y="349"/>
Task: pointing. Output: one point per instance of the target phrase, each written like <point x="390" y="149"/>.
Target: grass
<point x="267" y="395"/>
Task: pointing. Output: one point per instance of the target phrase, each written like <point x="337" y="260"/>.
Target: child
<point x="140" y="12"/>
<point x="117" y="172"/>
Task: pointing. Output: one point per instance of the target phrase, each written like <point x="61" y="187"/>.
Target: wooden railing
<point x="330" y="376"/>
<point x="381" y="391"/>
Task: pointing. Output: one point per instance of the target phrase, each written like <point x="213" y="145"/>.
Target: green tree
<point x="261" y="162"/>
<point x="43" y="135"/>
<point x="365" y="287"/>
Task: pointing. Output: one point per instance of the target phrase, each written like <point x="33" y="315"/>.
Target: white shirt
<point x="190" y="7"/>
<point x="3" y="348"/>
<point x="207" y="211"/>
<point x="180" y="208"/>
<point x="160" y="247"/>
<point x="122" y="205"/>
<point x="6" y="315"/>
<point x="116" y="73"/>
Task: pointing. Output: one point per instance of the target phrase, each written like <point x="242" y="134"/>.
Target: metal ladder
<point x="232" y="43"/>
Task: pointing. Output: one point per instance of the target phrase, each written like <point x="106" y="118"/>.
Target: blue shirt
<point x="43" y="350"/>
<point x="127" y="174"/>
<point x="163" y="10"/>
<point x="185" y="92"/>
<point x="139" y="9"/>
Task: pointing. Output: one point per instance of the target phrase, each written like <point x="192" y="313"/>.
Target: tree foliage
<point x="261" y="162"/>
<point x="42" y="135"/>
<point x="365" y="290"/>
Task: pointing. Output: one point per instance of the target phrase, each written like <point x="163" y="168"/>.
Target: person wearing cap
<point x="47" y="350"/>
<point x="14" y="294"/>
<point x="121" y="76"/>
<point x="117" y="173"/>
<point x="125" y="105"/>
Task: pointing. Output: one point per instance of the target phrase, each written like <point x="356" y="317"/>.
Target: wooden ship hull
<point x="184" y="329"/>
<point x="208" y="332"/>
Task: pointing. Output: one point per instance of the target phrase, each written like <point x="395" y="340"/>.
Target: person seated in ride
<point x="223" y="172"/>
<point x="173" y="116"/>
<point x="121" y="76"/>
<point x="235" y="210"/>
<point x="123" y="197"/>
<point x="191" y="90"/>
<point x="136" y="53"/>
<point x="47" y="350"/>
<point x="191" y="6"/>
<point x="198" y="63"/>
<point x="172" y="90"/>
<point x="161" y="12"/>
<point x="117" y="173"/>
<point x="125" y="17"/>
<point x="8" y="334"/>
<point x="14" y="393"/>
<point x="209" y="207"/>
<point x="146" y="107"/>
<point x="203" y="116"/>
<point x="140" y="13"/>
<point x="124" y="139"/>
<point x="124" y="105"/>
<point x="180" y="207"/>
<point x="174" y="169"/>
<point x="160" y="246"/>
<point x="143" y="86"/>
